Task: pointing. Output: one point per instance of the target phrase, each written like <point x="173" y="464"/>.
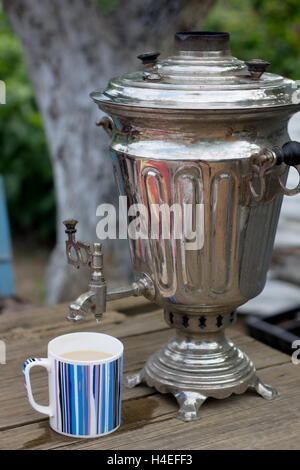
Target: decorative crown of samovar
<point x="205" y="129"/>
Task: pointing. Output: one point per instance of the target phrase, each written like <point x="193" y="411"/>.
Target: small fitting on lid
<point x="149" y="59"/>
<point x="257" y="67"/>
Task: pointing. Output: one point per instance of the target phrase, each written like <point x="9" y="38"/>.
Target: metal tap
<point x="94" y="300"/>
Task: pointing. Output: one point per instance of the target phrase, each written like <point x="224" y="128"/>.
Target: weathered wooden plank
<point x="32" y="341"/>
<point x="239" y="422"/>
<point x="55" y="315"/>
<point x="51" y="319"/>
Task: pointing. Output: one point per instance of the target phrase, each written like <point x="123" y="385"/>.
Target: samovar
<point x="205" y="129"/>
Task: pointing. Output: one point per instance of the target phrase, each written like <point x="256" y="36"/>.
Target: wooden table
<point x="239" y="422"/>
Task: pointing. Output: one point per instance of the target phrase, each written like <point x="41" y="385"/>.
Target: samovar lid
<point x="201" y="75"/>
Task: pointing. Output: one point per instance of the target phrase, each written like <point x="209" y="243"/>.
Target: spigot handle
<point x="70" y="225"/>
<point x="78" y="253"/>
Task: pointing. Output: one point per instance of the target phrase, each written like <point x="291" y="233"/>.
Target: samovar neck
<point x="203" y="42"/>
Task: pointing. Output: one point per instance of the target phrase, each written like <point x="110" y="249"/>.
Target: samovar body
<point x="204" y="162"/>
<point x="206" y="131"/>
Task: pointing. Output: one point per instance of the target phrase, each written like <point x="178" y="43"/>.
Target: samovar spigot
<point x="94" y="300"/>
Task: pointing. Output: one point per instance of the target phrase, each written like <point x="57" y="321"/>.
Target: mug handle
<point x="27" y="366"/>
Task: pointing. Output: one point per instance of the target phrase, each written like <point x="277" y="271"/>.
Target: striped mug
<point x="84" y="396"/>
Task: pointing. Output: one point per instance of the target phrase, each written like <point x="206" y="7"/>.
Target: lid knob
<point x="257" y="67"/>
<point x="203" y="41"/>
<point x="149" y="58"/>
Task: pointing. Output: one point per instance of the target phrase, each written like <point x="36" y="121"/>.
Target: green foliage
<point x="261" y="29"/>
<point x="107" y="6"/>
<point x="24" y="159"/>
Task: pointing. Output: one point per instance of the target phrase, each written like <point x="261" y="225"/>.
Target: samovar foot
<point x="265" y="391"/>
<point x="189" y="403"/>
<point x="131" y="380"/>
<point x="196" y="367"/>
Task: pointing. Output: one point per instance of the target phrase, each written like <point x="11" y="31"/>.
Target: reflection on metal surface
<point x="224" y="214"/>
<point x="236" y="239"/>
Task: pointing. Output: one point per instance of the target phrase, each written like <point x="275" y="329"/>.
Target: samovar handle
<point x="108" y="125"/>
<point x="288" y="154"/>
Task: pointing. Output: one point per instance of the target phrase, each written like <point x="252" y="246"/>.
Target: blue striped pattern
<point x="88" y="397"/>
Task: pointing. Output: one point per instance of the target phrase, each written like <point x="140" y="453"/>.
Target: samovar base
<point x="194" y="369"/>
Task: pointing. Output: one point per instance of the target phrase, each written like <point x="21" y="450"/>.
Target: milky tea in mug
<point x="85" y="384"/>
<point x="86" y="355"/>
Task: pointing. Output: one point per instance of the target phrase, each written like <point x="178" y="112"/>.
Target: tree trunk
<point x="71" y="50"/>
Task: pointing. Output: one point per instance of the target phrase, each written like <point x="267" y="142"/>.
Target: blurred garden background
<point x="266" y="29"/>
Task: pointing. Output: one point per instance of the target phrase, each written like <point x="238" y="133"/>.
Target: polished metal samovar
<point x="205" y="129"/>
